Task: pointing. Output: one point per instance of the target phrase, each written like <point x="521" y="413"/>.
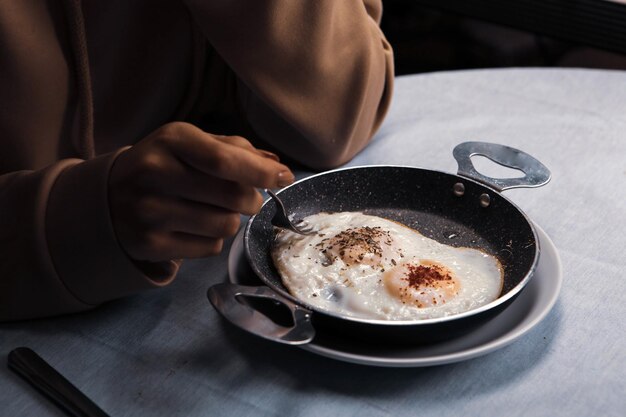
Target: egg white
<point x="356" y="287"/>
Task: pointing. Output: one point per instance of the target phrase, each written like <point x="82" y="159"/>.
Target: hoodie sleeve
<point x="316" y="75"/>
<point x="59" y="253"/>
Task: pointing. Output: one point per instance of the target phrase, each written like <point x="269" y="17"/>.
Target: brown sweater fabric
<point x="82" y="81"/>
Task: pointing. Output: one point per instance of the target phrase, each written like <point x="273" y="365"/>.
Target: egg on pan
<point x="365" y="266"/>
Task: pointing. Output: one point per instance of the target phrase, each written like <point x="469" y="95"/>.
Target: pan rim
<point x="513" y="292"/>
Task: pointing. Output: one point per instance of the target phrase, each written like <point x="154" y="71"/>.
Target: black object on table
<point x="37" y="372"/>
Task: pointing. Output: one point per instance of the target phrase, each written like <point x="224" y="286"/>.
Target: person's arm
<point x="316" y="75"/>
<point x="58" y="250"/>
<point x="79" y="233"/>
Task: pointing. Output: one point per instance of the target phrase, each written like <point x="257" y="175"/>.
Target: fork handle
<point x="279" y="221"/>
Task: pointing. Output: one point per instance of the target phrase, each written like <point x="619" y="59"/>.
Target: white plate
<point x="528" y="309"/>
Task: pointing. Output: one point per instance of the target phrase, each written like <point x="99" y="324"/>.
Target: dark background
<point x="428" y="39"/>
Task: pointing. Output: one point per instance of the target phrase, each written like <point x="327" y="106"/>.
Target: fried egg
<point x="369" y="267"/>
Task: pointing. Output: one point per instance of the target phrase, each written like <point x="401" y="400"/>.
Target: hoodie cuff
<point x="82" y="242"/>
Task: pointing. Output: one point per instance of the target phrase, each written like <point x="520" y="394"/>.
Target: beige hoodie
<point x="81" y="81"/>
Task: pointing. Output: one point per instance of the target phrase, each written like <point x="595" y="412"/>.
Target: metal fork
<point x="281" y="219"/>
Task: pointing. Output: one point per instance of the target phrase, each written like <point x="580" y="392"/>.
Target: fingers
<point x="190" y="217"/>
<point x="176" y="180"/>
<point x="229" y="161"/>
<point x="192" y="246"/>
<point x="245" y="144"/>
<point x="221" y="193"/>
<point x="175" y="245"/>
<point x="166" y="228"/>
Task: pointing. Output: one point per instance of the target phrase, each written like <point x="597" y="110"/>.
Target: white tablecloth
<point x="167" y="352"/>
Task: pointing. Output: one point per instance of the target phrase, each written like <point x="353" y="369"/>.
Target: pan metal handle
<point x="225" y="299"/>
<point x="535" y="173"/>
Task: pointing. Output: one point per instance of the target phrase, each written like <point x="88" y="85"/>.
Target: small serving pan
<point x="463" y="210"/>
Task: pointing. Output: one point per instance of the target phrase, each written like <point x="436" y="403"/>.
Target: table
<point x="167" y="353"/>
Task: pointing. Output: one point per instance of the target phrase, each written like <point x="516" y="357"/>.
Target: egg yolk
<point x="423" y="284"/>
<point x="363" y="246"/>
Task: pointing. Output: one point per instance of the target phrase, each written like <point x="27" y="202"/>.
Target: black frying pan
<point x="464" y="210"/>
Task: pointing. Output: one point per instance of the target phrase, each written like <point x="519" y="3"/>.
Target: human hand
<point x="179" y="192"/>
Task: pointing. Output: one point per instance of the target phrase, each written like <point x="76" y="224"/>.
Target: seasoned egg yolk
<point x="423" y="284"/>
<point x="358" y="246"/>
